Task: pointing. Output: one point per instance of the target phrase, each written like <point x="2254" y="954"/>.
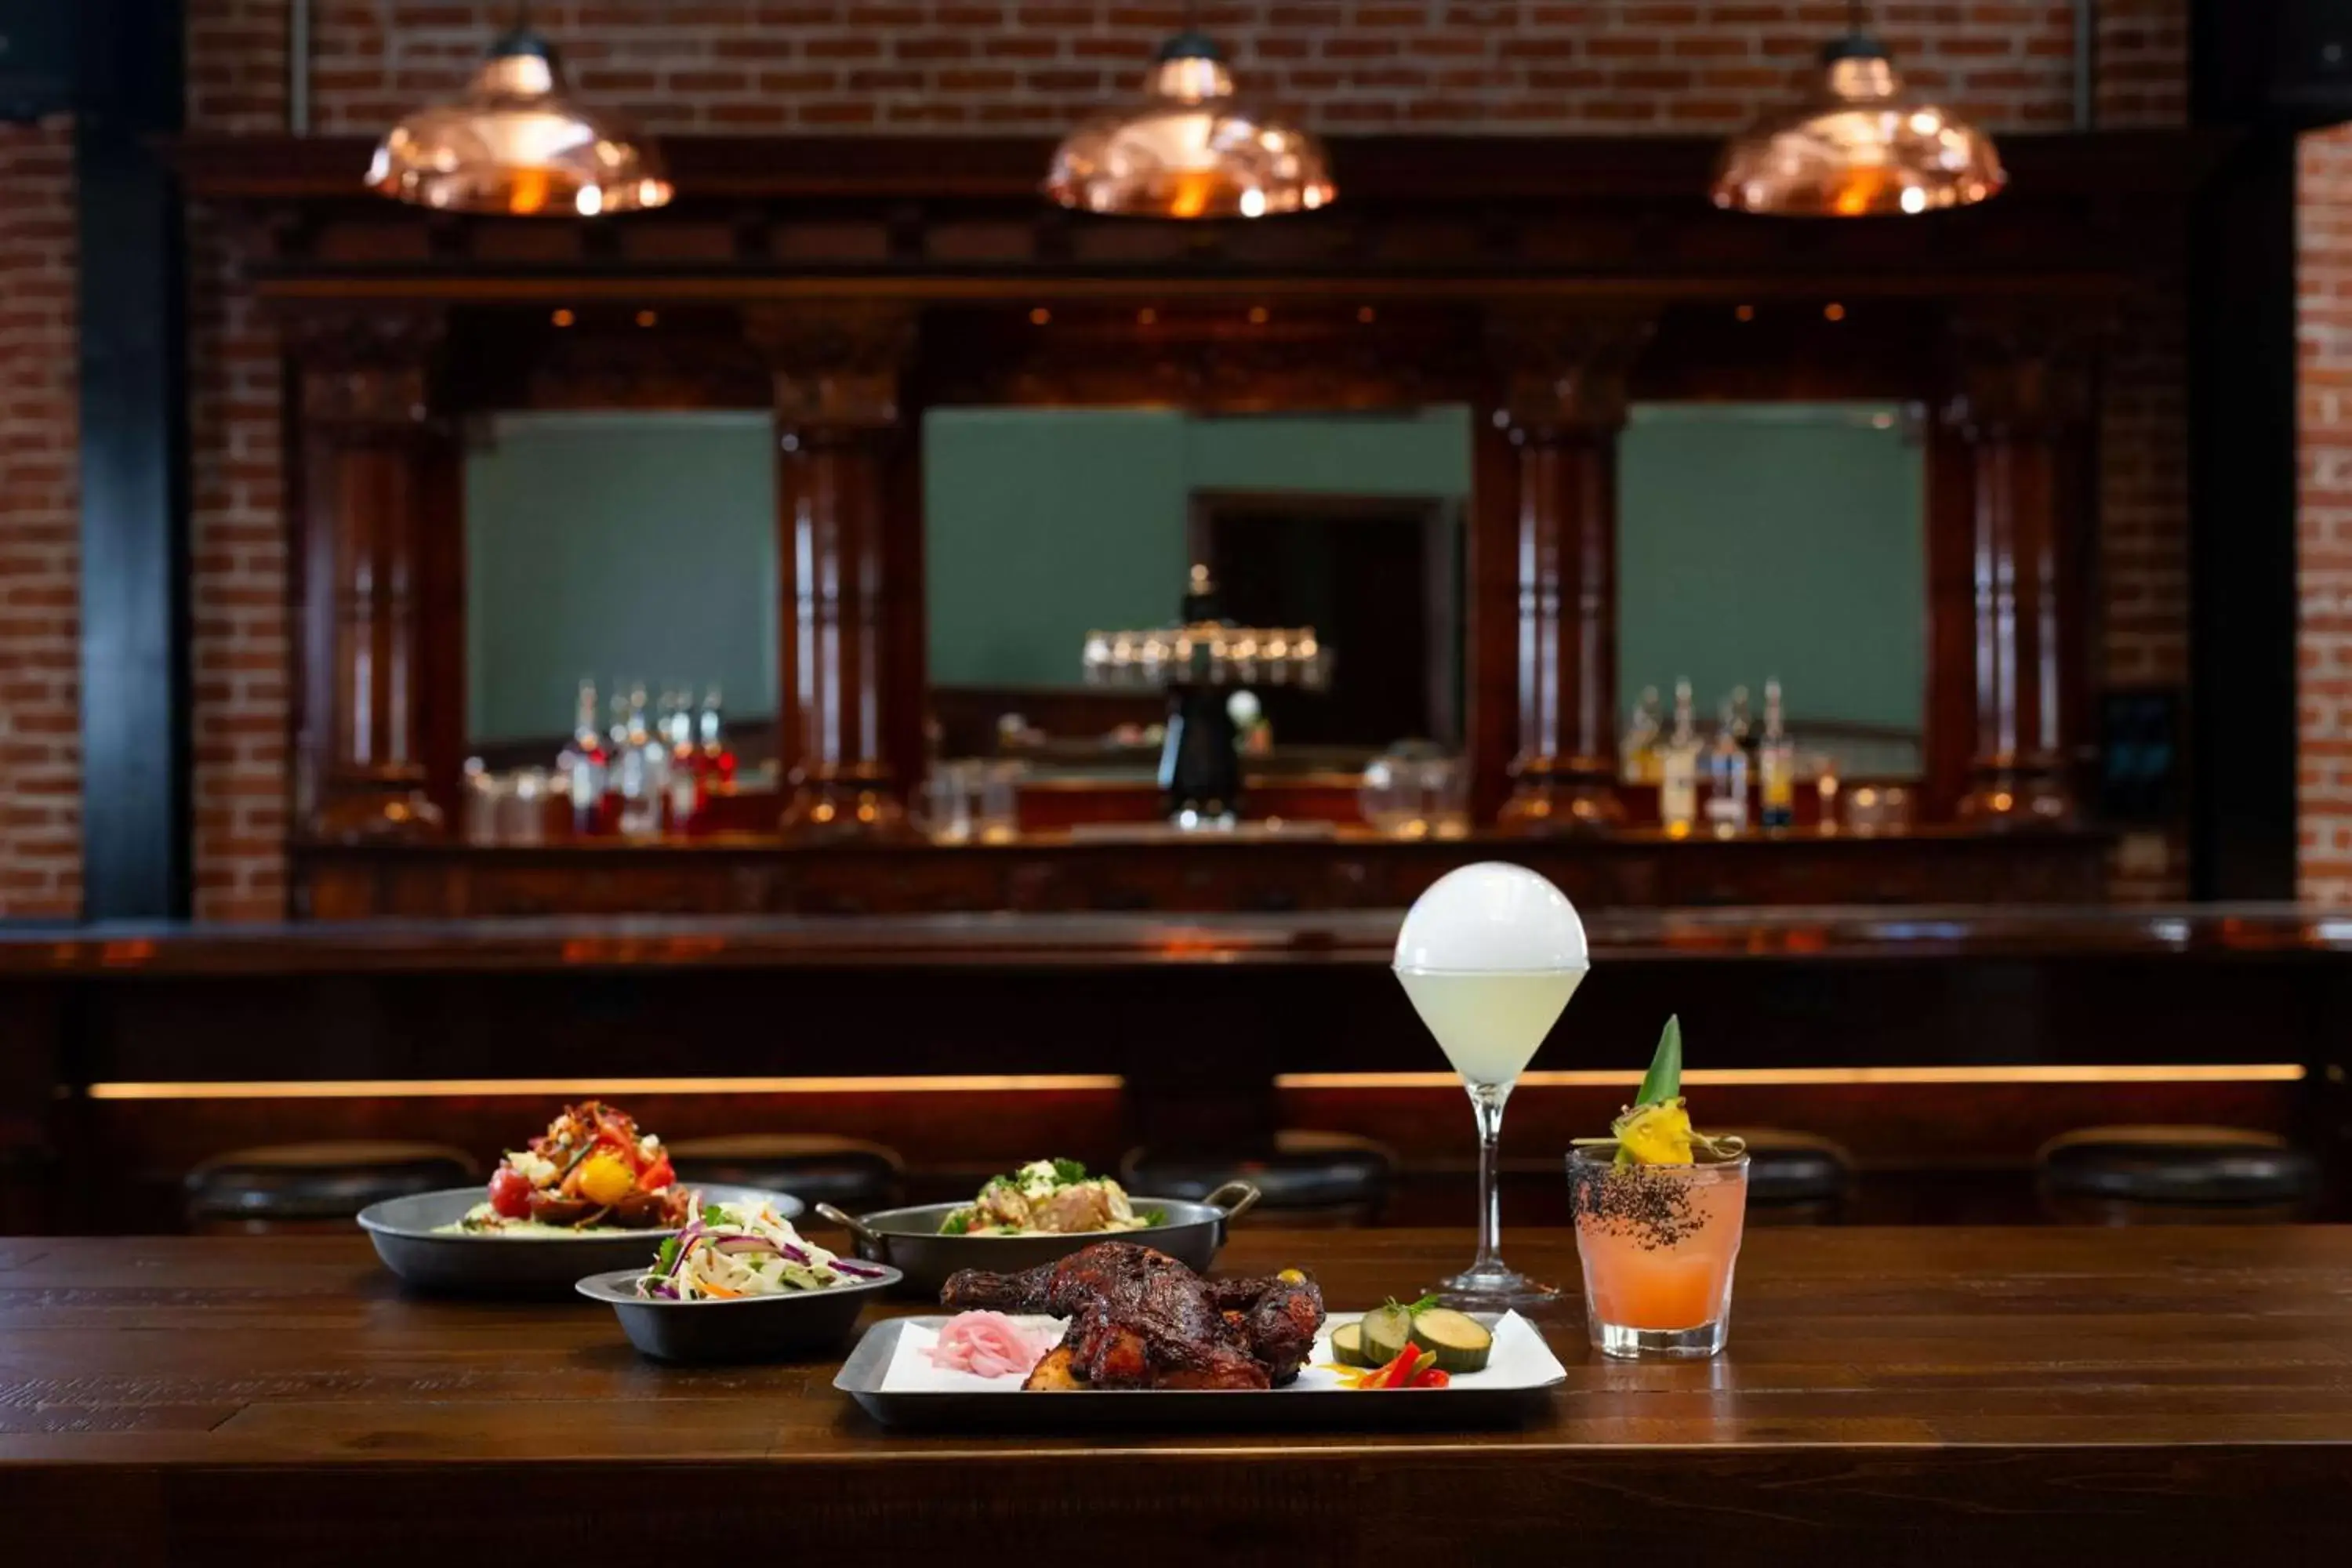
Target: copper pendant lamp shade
<point x="1860" y="148"/>
<point x="517" y="143"/>
<point x="1189" y="150"/>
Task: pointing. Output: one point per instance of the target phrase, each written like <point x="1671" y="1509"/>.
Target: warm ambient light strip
<point x="1778" y="1077"/>
<point x="601" y="1088"/>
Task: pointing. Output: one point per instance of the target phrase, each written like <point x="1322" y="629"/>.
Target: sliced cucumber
<point x="1348" y="1345"/>
<point x="1386" y="1333"/>
<point x="1460" y="1344"/>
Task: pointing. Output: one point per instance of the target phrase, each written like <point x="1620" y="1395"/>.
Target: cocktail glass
<point x="1490" y="955"/>
<point x="1659" y="1244"/>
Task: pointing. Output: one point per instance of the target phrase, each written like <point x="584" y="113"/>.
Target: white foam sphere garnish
<point x="1492" y="917"/>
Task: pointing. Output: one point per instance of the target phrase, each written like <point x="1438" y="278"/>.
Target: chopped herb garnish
<point x="1067" y="1171"/>
<point x="956" y="1224"/>
<point x="713" y="1215"/>
<point x="1155" y="1216"/>
<point x="667" y="1257"/>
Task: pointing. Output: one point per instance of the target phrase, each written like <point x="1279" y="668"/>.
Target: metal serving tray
<point x="1468" y="1403"/>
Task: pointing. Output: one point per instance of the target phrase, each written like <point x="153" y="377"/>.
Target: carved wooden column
<point x="2023" y="408"/>
<point x="837" y="371"/>
<point x="1564" y="402"/>
<point x="377" y="501"/>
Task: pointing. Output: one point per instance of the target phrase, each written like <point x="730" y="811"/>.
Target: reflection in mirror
<point x="1043" y="526"/>
<point x="633" y="550"/>
<point x="1776" y="541"/>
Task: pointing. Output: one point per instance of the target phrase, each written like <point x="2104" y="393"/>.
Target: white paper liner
<point x="1520" y="1360"/>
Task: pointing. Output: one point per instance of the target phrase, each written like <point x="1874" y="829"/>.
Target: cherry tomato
<point x="658" y="1175"/>
<point x="510" y="1193"/>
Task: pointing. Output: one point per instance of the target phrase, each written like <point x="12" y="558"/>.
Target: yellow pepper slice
<point x="605" y="1178"/>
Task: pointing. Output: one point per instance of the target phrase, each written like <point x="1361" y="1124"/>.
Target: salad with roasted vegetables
<point x="1054" y="1196"/>
<point x="592" y="1170"/>
<point x="735" y="1250"/>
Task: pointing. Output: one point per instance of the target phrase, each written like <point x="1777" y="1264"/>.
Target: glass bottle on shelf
<point x="642" y="766"/>
<point x="717" y="759"/>
<point x="684" y="795"/>
<point x="1638" y="752"/>
<point x="1726" y="777"/>
<point x="1776" y="761"/>
<point x="583" y="761"/>
<point x="1741" y="721"/>
<point x="1678" y="768"/>
<point x="617" y="764"/>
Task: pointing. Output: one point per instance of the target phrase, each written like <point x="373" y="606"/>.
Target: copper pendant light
<point x="516" y="143"/>
<point x="1860" y="148"/>
<point x="1190" y="149"/>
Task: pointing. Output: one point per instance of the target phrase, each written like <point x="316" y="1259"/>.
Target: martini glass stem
<point x="1487" y="1101"/>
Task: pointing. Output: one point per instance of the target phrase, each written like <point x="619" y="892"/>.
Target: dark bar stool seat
<point x="2154" y="1175"/>
<point x="1795" y="1178"/>
<point x="813" y="1167"/>
<point x="1308" y="1179"/>
<point x="292" y="1187"/>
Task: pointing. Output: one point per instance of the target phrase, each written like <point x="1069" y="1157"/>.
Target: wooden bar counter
<point x="1960" y="1396"/>
<point x="135" y="1052"/>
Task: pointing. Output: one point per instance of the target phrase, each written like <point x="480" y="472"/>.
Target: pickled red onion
<point x="989" y="1344"/>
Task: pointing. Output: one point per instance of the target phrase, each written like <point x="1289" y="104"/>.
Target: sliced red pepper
<point x="1400" y="1373"/>
<point x="658" y="1175"/>
<point x="1435" y="1377"/>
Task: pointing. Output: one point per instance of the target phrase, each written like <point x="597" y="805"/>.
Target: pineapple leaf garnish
<point x="1665" y="1078"/>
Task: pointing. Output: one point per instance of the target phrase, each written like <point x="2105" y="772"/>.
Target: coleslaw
<point x="737" y="1250"/>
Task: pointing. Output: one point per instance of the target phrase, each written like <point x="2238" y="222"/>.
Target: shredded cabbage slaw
<point x="737" y="1250"/>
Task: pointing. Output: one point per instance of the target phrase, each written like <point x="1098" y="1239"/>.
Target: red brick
<point x="40" y="719"/>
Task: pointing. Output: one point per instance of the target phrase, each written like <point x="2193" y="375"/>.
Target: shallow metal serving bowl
<point x="408" y="1237"/>
<point x="752" y="1327"/>
<point x="908" y="1239"/>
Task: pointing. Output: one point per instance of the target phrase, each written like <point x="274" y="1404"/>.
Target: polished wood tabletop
<point x="1925" y="1394"/>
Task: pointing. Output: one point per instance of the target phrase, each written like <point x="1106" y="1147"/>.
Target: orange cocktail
<point x="1659" y="1243"/>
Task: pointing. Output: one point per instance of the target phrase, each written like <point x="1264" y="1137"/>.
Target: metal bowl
<point x="752" y="1328"/>
<point x="908" y="1239"/>
<point x="408" y="1237"/>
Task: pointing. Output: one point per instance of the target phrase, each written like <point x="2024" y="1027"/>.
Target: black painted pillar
<point x="134" y="462"/>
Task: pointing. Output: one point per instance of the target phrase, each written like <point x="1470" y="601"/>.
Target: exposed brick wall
<point x="40" y="615"/>
<point x="2142" y="50"/>
<point x="240" y="665"/>
<point x="1357" y="65"/>
<point x="2324" y="521"/>
<point x="916" y="66"/>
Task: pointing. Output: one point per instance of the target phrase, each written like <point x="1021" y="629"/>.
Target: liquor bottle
<point x="641" y="769"/>
<point x="583" y="761"/>
<point x="1742" y="720"/>
<point x="1678" y="768"/>
<point x="617" y="756"/>
<point x="684" y="798"/>
<point x="717" y="760"/>
<point x="1776" y="762"/>
<point x="1637" y="760"/>
<point x="1726" y="777"/>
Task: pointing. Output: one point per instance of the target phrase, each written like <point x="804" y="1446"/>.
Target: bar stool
<point x="282" y="1188"/>
<point x="1796" y="1178"/>
<point x="813" y="1167"/>
<point x="1318" y="1178"/>
<point x="2175" y="1176"/>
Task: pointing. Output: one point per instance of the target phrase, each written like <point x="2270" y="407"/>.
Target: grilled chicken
<point x="1138" y="1319"/>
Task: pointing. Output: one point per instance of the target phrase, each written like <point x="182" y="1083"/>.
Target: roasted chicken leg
<point x="1140" y="1319"/>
